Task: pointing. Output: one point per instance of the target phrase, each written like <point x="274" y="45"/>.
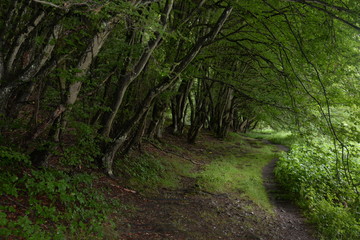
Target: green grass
<point x="239" y="171"/>
<point x="278" y="137"/>
<point x="175" y="169"/>
<point x="148" y="172"/>
<point x="233" y="166"/>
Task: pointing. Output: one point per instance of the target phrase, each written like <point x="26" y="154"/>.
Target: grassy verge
<point x="311" y="174"/>
<point x="232" y="166"/>
<point x="239" y="169"/>
<point x="151" y="171"/>
<point x="278" y="137"/>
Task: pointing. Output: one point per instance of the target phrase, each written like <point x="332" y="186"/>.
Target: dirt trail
<point x="292" y="224"/>
<point x="192" y="214"/>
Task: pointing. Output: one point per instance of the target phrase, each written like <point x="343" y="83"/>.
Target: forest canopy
<point x="117" y="67"/>
<point x="84" y="82"/>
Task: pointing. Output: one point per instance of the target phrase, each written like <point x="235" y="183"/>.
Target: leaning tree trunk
<point x="125" y="81"/>
<point x="137" y="135"/>
<point x="198" y="122"/>
<point x="32" y="66"/>
<point x="242" y="125"/>
<point x="129" y="77"/>
<point x="179" y="107"/>
<point x="121" y="138"/>
<point x="199" y="111"/>
<point x="157" y="119"/>
<point x="222" y="115"/>
<point x="226" y="116"/>
<point x="84" y="64"/>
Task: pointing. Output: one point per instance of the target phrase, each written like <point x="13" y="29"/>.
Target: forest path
<point x="292" y="224"/>
<point x="190" y="213"/>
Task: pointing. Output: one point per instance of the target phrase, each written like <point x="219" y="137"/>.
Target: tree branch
<point x="66" y="5"/>
<point x="333" y="15"/>
<point x="338" y="8"/>
<point x="246" y="96"/>
<point x="49" y="4"/>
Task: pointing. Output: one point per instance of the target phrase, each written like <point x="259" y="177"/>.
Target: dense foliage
<point x="324" y="188"/>
<point x="48" y="204"/>
<point x="84" y="82"/>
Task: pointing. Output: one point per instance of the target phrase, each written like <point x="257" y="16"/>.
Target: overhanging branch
<point x="244" y="95"/>
<point x="331" y="14"/>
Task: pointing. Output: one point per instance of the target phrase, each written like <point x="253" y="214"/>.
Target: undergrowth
<point x="239" y="169"/>
<point x="148" y="172"/>
<point x="277" y="137"/>
<point x="311" y="173"/>
<point x="48" y="204"/>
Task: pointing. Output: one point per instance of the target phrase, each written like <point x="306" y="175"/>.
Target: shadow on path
<point x="292" y="224"/>
<point x="189" y="213"/>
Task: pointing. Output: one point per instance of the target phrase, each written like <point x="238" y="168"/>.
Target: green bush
<point x="10" y="162"/>
<point x="85" y="147"/>
<point x="335" y="222"/>
<point x="47" y="203"/>
<point x="314" y="175"/>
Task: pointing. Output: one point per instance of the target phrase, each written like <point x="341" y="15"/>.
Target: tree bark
<point x="167" y="82"/>
<point x="31" y="71"/>
<point x="154" y="129"/>
<point x="21" y="39"/>
<point x="86" y="59"/>
<point x="137" y="135"/>
<point x="200" y="111"/>
<point x="225" y="107"/>
<point x="179" y="106"/>
<point x="2" y="62"/>
<point x="138" y="68"/>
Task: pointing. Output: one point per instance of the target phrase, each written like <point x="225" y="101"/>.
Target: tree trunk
<point x="74" y="89"/>
<point x="118" y="141"/>
<point x="138" y="68"/>
<point x="31" y="70"/>
<point x="242" y="127"/>
<point x="179" y="107"/>
<point x="226" y="113"/>
<point x="198" y="123"/>
<point x="199" y="113"/>
<point x="154" y="130"/>
<point x="21" y="39"/>
<point x="137" y="135"/>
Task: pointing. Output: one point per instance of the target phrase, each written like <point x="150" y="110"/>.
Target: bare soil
<point x="291" y="223"/>
<point x="190" y="213"/>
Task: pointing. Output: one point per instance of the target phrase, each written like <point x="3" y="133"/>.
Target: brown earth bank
<point x="189" y="212"/>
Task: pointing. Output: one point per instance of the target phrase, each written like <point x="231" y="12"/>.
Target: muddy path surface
<point x="191" y="213"/>
<point x="291" y="223"/>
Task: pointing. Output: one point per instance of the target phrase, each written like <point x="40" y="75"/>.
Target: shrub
<point x="314" y="176"/>
<point x="47" y="203"/>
